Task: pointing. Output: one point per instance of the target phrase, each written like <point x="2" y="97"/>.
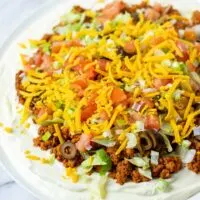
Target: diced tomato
<point x="38" y="58"/>
<point x="76" y="43"/>
<point x="44" y="110"/>
<point x="84" y="143"/>
<point x="151" y="14"/>
<point x="148" y="102"/>
<point x="27" y="68"/>
<point x="81" y="83"/>
<point x="152" y="122"/>
<point x="56" y="46"/>
<point x="158" y="7"/>
<point x="102" y="63"/>
<point x="91" y="73"/>
<point x="88" y="111"/>
<point x="135" y="116"/>
<point x="129" y="47"/>
<point x="111" y="11"/>
<point x="157" y="40"/>
<point x="104" y="115"/>
<point x="78" y="68"/>
<point x="184" y="50"/>
<point x="47" y="62"/>
<point x="197" y="45"/>
<point x="118" y="96"/>
<point x="190" y="35"/>
<point x="191" y="67"/>
<point x="196" y="17"/>
<point x="161" y="82"/>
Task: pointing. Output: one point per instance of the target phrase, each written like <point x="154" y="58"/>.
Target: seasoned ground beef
<point x="128" y="153"/>
<point x="52" y="142"/>
<point x="18" y="85"/>
<point x="115" y="158"/>
<point x="195" y="164"/>
<point x="196" y="17"/>
<point x="166" y="167"/>
<point x="123" y="171"/>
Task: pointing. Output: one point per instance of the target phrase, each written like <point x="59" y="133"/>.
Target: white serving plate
<point x="11" y="150"/>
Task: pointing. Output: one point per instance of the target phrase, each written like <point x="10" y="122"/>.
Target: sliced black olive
<point x="144" y="142"/>
<point x="68" y="150"/>
<point x="135" y="17"/>
<point x="153" y="138"/>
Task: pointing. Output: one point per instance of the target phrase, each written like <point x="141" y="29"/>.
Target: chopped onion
<point x="154" y="157"/>
<point x="140" y="162"/>
<point x="107" y="133"/>
<point x="197" y="30"/>
<point x="195" y="77"/>
<point x="173" y="21"/>
<point x="186" y="144"/>
<point x="177" y="94"/>
<point x="149" y="90"/>
<point x="189" y="156"/>
<point x="141" y="83"/>
<point x="118" y="131"/>
<point x="137" y="106"/>
<point x="196" y="131"/>
<point x="132" y="140"/>
<point x="159" y="52"/>
<point x="146" y="173"/>
<point x="139" y="126"/>
<point x="181" y="32"/>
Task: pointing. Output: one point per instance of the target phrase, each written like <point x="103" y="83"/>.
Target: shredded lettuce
<point x="121" y="18"/>
<point x="177" y="94"/>
<point x="100" y="158"/>
<point x="52" y="159"/>
<point x="154" y="157"/>
<point x="145" y="172"/>
<point x="162" y="185"/>
<point x="179" y="66"/>
<point x="186" y="144"/>
<point x="105" y="142"/>
<point x="120" y="122"/>
<point x="102" y="186"/>
<point x="87" y="40"/>
<point x="129" y="88"/>
<point x="132" y="140"/>
<point x="167" y="142"/>
<point x="70" y="17"/>
<point x="140" y="162"/>
<point x="46" y="47"/>
<point x="98" y="189"/>
<point x="166" y="128"/>
<point x="46" y="136"/>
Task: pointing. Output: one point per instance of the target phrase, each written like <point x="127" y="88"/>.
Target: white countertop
<point x="10" y="190"/>
<point x="13" y="12"/>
